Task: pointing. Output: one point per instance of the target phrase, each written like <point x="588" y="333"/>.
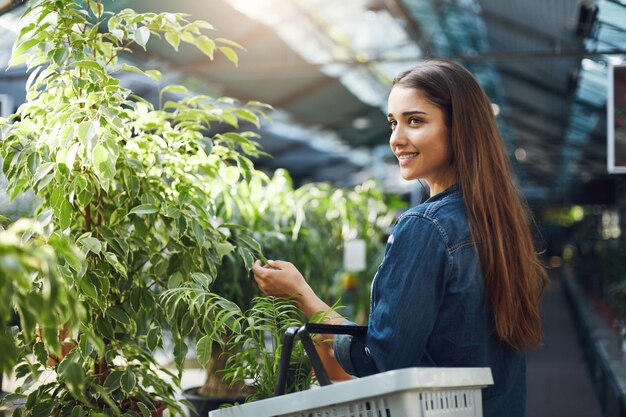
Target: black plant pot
<point x="204" y="404"/>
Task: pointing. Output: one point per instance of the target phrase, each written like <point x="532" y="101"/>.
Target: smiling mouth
<point x="407" y="156"/>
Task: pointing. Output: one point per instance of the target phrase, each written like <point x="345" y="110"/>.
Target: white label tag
<point x="354" y="255"/>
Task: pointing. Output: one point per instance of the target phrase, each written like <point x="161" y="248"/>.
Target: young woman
<point x="460" y="282"/>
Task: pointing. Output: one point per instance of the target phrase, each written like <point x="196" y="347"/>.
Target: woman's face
<point x="419" y="138"/>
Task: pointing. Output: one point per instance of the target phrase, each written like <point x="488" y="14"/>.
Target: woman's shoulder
<point x="447" y="214"/>
<point x="440" y="208"/>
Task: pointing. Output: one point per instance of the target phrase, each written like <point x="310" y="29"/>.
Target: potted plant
<point x="128" y="183"/>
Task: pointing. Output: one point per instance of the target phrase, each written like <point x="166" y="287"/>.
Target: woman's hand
<point x="280" y="279"/>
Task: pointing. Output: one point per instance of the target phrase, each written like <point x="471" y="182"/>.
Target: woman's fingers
<point x="279" y="264"/>
<point x="278" y="278"/>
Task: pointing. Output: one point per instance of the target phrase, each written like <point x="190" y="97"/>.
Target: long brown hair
<point x="498" y="216"/>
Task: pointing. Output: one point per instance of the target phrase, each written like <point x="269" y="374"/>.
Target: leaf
<point x="113" y="261"/>
<point x="207" y="145"/>
<point x="202" y="279"/>
<point x="88" y="289"/>
<point x="119" y="34"/>
<point x="152" y="338"/>
<point x="230" y="174"/>
<point x="118" y="314"/>
<point x="104" y="328"/>
<point x="88" y="64"/>
<point x="43" y="170"/>
<point x="248" y="115"/>
<point x="25" y="46"/>
<point x="173" y="38"/>
<point x="73" y="375"/>
<point x="154" y="74"/>
<point x="204" y="348"/>
<point x="60" y="56"/>
<point x="206" y="45"/>
<point x="142" y="35"/>
<point x="112" y="382"/>
<point x="87" y="131"/>
<point x="40" y="353"/>
<point x="103" y="162"/>
<point x="198" y="232"/>
<point x="65" y="217"/>
<point x="43" y="409"/>
<point x="77" y="411"/>
<point x="224" y="248"/>
<point x="229" y="42"/>
<point x="174" y="88"/>
<point x="32" y="77"/>
<point x="172" y="212"/>
<point x="127" y="381"/>
<point x="175" y="280"/>
<point x="18" y="60"/>
<point x="180" y="351"/>
<point x="250" y="242"/>
<point x="145" y="411"/>
<point x="132" y="68"/>
<point x="246" y="256"/>
<point x="231" y="119"/>
<point x="92" y="244"/>
<point x="56" y="198"/>
<point x="70" y="158"/>
<point x="135" y="299"/>
<point x="235" y="137"/>
<point x="144" y="209"/>
<point x="230" y="54"/>
<point x="117" y="216"/>
<point x="86" y="347"/>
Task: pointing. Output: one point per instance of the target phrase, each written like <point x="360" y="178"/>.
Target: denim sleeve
<point x="352" y="350"/>
<point x="406" y="295"/>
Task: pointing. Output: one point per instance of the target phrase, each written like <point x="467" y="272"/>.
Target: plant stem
<point x="88" y="223"/>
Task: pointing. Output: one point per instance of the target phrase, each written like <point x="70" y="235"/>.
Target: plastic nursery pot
<point x="203" y="404"/>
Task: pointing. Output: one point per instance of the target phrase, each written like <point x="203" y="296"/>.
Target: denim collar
<point x="453" y="189"/>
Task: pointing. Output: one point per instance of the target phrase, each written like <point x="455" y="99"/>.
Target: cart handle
<point x="309" y="347"/>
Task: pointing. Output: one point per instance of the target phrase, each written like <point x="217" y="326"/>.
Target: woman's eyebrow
<point x="408" y="113"/>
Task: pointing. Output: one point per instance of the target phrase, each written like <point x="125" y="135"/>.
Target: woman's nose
<point x="397" y="138"/>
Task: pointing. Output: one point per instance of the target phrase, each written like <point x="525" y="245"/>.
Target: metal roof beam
<point x="529" y="109"/>
<point x="398" y="9"/>
<point x="523" y="125"/>
<point x="503" y="22"/>
<point x="562" y="94"/>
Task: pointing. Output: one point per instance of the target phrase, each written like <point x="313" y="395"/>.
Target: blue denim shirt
<point x="427" y="307"/>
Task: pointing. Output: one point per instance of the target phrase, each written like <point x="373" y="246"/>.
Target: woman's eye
<point x="415" y="121"/>
<point x="392" y="124"/>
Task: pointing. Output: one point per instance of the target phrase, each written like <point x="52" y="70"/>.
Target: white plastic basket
<point x="411" y="392"/>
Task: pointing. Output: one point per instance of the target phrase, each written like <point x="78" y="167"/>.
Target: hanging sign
<point x="616" y="117"/>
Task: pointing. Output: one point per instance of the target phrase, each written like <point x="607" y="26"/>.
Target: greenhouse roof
<point x="326" y="66"/>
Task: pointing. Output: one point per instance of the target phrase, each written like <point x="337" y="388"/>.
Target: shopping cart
<point x="411" y="392"/>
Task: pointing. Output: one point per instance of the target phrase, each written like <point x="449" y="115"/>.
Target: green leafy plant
<point x="254" y="351"/>
<point x="133" y="186"/>
<point x="306" y="226"/>
<point x="32" y="285"/>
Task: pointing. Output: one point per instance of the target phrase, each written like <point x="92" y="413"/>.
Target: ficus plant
<point x="130" y="184"/>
